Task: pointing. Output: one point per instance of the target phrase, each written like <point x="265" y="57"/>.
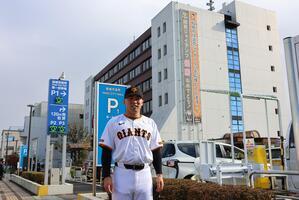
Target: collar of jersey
<point x="140" y="118"/>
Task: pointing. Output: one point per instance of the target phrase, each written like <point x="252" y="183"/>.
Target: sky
<point x="41" y="39"/>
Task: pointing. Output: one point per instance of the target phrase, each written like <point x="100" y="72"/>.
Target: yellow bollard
<point x="257" y="156"/>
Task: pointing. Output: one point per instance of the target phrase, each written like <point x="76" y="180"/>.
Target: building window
<point x="159" y="77"/>
<point x="270" y="48"/>
<point x="274" y="89"/>
<point x="272" y="68"/>
<point x="268" y="27"/>
<point x="160" y="101"/>
<point x="165" y="74"/>
<point x="159" y="53"/>
<point x="166" y="98"/>
<point x="165" y="49"/>
<point x="164" y="27"/>
<point x="276" y="111"/>
<point x="158" y="31"/>
<point x="278" y="133"/>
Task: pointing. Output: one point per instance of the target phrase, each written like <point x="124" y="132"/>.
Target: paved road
<point x="80" y="187"/>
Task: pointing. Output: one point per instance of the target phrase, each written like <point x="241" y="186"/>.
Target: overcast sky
<point x="41" y="39"/>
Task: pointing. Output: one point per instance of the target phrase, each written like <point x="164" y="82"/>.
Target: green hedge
<point x="183" y="189"/>
<point x="37" y="177"/>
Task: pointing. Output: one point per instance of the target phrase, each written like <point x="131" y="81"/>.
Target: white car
<point x="178" y="157"/>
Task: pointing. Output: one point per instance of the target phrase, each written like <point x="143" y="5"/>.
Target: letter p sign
<point x="112" y="103"/>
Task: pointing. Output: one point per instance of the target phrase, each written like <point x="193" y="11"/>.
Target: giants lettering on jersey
<point x="137" y="132"/>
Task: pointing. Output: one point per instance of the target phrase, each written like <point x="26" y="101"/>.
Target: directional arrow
<point x="63" y="93"/>
<point x="62" y="109"/>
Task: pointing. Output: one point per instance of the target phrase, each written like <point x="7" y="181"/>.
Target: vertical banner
<point x="109" y="103"/>
<point x="186" y="66"/>
<point x="195" y="68"/>
<point x="23" y="154"/>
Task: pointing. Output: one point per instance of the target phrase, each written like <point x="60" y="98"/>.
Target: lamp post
<point x="6" y="153"/>
<point x="28" y="143"/>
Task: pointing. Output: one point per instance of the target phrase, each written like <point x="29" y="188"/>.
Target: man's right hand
<point x="108" y="186"/>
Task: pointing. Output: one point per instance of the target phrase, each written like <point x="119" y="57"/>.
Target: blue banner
<point x="23" y="154"/>
<point x="109" y="100"/>
<point x="58" y="98"/>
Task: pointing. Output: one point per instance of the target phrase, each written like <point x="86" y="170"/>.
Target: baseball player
<point x="134" y="142"/>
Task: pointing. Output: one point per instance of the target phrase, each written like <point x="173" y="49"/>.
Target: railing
<point x="273" y="173"/>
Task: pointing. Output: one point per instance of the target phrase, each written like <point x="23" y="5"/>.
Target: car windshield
<point x="228" y="152"/>
<point x="190" y="149"/>
<point x="168" y="150"/>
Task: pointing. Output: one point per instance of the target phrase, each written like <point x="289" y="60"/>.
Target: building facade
<point x="11" y="140"/>
<point x="199" y="62"/>
<point x="39" y="130"/>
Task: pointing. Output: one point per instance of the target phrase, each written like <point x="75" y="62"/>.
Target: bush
<point x="37" y="177"/>
<point x="182" y="189"/>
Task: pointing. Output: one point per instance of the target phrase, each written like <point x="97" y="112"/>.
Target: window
<point x="272" y="68"/>
<point x="190" y="149"/>
<point x="159" y="53"/>
<point x="81" y="116"/>
<point x="270" y="48"/>
<point x="158" y="31"/>
<point x="278" y="133"/>
<point x="166" y="98"/>
<point x="164" y="27"/>
<point x="165" y="49"/>
<point x="168" y="150"/>
<point x="276" y="111"/>
<point x="274" y="89"/>
<point x="159" y="77"/>
<point x="268" y="27"/>
<point x="165" y="74"/>
<point x="160" y="101"/>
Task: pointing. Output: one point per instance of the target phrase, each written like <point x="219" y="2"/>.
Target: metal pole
<point x="63" y="159"/>
<point x="29" y="132"/>
<point x="231" y="130"/>
<point x="244" y="139"/>
<point x="281" y="130"/>
<point x="95" y="128"/>
<point x="47" y="159"/>
<point x="268" y="133"/>
<point x="6" y="153"/>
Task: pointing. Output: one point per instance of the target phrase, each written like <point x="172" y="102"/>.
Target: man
<point x="134" y="142"/>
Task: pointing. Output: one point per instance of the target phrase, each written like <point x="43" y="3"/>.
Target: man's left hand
<point x="160" y="183"/>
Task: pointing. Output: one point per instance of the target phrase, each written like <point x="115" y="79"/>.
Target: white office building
<point x="198" y="57"/>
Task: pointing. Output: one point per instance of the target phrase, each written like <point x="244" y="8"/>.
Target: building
<point x="39" y="130"/>
<point x="190" y="59"/>
<point x="11" y="140"/>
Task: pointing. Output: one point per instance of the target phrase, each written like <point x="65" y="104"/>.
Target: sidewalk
<point x="11" y="191"/>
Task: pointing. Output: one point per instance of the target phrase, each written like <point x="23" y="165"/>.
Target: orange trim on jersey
<point x="105" y="146"/>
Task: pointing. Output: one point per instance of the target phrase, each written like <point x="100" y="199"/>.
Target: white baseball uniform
<point x="131" y="142"/>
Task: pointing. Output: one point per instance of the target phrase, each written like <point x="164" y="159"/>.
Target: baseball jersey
<point x="131" y="141"/>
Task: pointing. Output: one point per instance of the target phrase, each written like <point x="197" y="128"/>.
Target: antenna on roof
<point x="210" y="4"/>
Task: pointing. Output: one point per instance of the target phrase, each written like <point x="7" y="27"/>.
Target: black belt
<point x="133" y="167"/>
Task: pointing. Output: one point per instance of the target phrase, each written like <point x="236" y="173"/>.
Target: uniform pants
<point x="132" y="184"/>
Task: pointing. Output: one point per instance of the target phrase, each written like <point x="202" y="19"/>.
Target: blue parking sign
<point x="23" y="154"/>
<point x="58" y="106"/>
<point x="109" y="98"/>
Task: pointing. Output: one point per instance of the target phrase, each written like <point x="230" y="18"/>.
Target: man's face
<point x="133" y="104"/>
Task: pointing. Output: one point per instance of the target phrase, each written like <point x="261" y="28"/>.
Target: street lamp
<point x="28" y="143"/>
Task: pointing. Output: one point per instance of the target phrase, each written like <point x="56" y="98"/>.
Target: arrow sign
<point x="58" y="106"/>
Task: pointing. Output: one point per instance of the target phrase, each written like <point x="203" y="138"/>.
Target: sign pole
<point x="47" y="159"/>
<point x="95" y="139"/>
<point x="63" y="159"/>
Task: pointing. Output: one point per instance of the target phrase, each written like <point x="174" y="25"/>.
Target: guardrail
<point x="273" y="173"/>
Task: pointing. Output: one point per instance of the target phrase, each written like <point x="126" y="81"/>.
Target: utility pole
<point x="29" y="132"/>
<point x="210" y="4"/>
<point x="6" y="154"/>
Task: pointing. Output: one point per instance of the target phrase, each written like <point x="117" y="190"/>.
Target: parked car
<point x="178" y="157"/>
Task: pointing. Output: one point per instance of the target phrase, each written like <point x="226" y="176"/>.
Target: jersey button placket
<point x="134" y="140"/>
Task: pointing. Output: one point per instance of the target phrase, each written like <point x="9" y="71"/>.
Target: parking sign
<point x="58" y="106"/>
<point x="109" y="98"/>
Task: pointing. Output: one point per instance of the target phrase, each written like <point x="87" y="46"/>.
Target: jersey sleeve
<point x="106" y="140"/>
<point x="156" y="141"/>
